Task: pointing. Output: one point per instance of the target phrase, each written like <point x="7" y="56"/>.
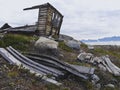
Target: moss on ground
<point x="84" y="47"/>
<point x="64" y="47"/>
<point x="104" y="50"/>
<point x="20" y="42"/>
<point x="18" y="77"/>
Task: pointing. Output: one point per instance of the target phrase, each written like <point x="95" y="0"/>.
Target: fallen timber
<point x="28" y="64"/>
<point x="112" y="68"/>
<point x="12" y="60"/>
<point x="62" y="65"/>
<point x="104" y="63"/>
<point x="66" y="66"/>
<point x="84" y="70"/>
<point x="33" y="64"/>
<point x="58" y="64"/>
<point x="46" y="65"/>
<point x="7" y="56"/>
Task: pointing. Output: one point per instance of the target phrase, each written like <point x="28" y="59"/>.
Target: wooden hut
<point x="49" y="20"/>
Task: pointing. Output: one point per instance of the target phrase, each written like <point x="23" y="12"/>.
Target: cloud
<point x="83" y="19"/>
<point x="94" y="24"/>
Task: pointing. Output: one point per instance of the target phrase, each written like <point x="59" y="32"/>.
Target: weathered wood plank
<point x="115" y="70"/>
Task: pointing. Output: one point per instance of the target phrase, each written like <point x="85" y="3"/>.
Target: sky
<point x="83" y="19"/>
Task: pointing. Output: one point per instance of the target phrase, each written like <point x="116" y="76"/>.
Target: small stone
<point x="110" y="85"/>
<point x="102" y="67"/>
<point x="61" y="55"/>
<point x="114" y="81"/>
<point x="90" y="47"/>
<point x="85" y="56"/>
<point x="98" y="86"/>
<point x="95" y="78"/>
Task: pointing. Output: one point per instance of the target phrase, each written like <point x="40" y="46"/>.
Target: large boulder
<point x="65" y="37"/>
<point x="74" y="44"/>
<point x="45" y="43"/>
<point x="70" y="41"/>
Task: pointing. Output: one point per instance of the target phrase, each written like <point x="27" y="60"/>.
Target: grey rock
<point x="97" y="60"/>
<point x="73" y="44"/>
<point x="110" y="85"/>
<point x="95" y="78"/>
<point x="45" y="43"/>
<point x="65" y="37"/>
<point x="114" y="81"/>
<point x="102" y="67"/>
<point x="98" y="86"/>
<point x="61" y="55"/>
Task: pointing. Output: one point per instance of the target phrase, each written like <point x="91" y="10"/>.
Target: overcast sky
<point x="83" y="19"/>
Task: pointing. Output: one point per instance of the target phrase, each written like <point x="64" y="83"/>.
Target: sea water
<point x="104" y="43"/>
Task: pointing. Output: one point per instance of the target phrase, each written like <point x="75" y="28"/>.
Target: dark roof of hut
<point x="26" y="28"/>
<point x="6" y="25"/>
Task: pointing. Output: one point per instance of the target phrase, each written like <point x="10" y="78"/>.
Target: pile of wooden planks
<point x="103" y="62"/>
<point x="45" y="65"/>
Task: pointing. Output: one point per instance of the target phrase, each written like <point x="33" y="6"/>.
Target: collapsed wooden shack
<point x="48" y="24"/>
<point x="49" y="20"/>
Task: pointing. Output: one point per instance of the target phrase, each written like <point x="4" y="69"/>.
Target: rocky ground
<point x="17" y="78"/>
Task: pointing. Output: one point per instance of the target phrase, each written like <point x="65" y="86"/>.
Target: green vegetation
<point x="104" y="51"/>
<point x="112" y="51"/>
<point x="19" y="42"/>
<point x="109" y="88"/>
<point x="19" y="76"/>
<point x="64" y="47"/>
<point x="12" y="74"/>
<point x="89" y="85"/>
<point x="84" y="47"/>
<point x="52" y="87"/>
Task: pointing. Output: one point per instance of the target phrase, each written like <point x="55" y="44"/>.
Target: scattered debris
<point x="90" y="47"/>
<point x="14" y="57"/>
<point x="95" y="78"/>
<point x="47" y="65"/>
<point x="85" y="57"/>
<point x="54" y="62"/>
<point x="103" y="62"/>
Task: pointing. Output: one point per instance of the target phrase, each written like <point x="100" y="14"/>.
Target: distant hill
<point x="105" y="39"/>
